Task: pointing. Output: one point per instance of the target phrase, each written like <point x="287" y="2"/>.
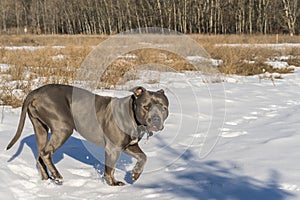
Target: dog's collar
<point x="133" y="98"/>
<point x="141" y="129"/>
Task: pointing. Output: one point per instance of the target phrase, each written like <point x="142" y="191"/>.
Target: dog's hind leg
<point x="41" y="135"/>
<point x="57" y="139"/>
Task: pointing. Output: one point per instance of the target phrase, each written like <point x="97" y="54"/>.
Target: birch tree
<point x="291" y="13"/>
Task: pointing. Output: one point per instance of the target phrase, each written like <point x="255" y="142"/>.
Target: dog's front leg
<point x="136" y="152"/>
<point x="112" y="155"/>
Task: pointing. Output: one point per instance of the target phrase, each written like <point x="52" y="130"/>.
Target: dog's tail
<point x="21" y="123"/>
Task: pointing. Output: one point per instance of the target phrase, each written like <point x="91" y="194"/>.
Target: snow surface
<point x="4" y="67"/>
<point x="228" y="140"/>
<point x="29" y="48"/>
<point x="278" y="64"/>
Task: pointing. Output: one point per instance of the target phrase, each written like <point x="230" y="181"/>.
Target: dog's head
<point x="150" y="108"/>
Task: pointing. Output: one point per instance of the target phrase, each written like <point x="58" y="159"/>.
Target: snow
<point x="128" y="56"/>
<point x="58" y="57"/>
<point x="278" y="64"/>
<point x="214" y="62"/>
<point x="284" y="57"/>
<point x="18" y="93"/>
<point x="4" y="68"/>
<point x="29" y="48"/>
<point x="236" y="138"/>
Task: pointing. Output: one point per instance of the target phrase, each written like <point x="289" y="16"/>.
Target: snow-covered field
<point x="237" y="139"/>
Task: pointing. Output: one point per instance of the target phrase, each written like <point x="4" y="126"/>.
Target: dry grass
<point x="45" y="65"/>
<point x="294" y="57"/>
<point x="47" y="62"/>
<point x="246" y="61"/>
<point x="58" y="65"/>
<point x="244" y="39"/>
<point x="51" y="40"/>
<point x="249" y="60"/>
<point x="294" y="62"/>
<point x="148" y="58"/>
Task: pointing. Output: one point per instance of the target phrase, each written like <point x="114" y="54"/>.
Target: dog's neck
<point x="141" y="129"/>
<point x="133" y="107"/>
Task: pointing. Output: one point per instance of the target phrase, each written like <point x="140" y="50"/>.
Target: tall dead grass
<point x="41" y="66"/>
<point x="62" y="55"/>
<point x="249" y="60"/>
<point x="51" y="40"/>
<point x="45" y="62"/>
<point x="244" y="39"/>
<point x="148" y="58"/>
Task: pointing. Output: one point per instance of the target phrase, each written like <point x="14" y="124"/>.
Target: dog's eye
<point x="164" y="109"/>
<point x="147" y="108"/>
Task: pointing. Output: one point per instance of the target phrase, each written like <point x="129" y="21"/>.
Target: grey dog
<point x="118" y="124"/>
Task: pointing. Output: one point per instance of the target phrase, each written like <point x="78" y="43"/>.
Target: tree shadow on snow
<point x="215" y="180"/>
<point x="80" y="150"/>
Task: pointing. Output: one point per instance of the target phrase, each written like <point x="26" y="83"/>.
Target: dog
<point x="118" y="124"/>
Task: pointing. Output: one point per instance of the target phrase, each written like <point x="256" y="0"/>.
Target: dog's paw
<point x="119" y="183"/>
<point x="57" y="181"/>
<point x="112" y="182"/>
<point x="135" y="176"/>
<point x="116" y="183"/>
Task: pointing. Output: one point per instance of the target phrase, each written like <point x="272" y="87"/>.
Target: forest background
<point x="115" y="16"/>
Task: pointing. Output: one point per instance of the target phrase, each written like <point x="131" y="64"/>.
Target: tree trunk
<point x="250" y="11"/>
<point x="290" y="9"/>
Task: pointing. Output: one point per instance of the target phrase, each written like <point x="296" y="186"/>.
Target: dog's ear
<point x="138" y="91"/>
<point x="161" y="91"/>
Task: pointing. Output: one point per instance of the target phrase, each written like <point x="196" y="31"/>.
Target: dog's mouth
<point x="154" y="128"/>
<point x="148" y="129"/>
<point x="155" y="123"/>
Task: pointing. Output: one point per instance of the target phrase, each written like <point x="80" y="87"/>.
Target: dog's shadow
<point x="80" y="150"/>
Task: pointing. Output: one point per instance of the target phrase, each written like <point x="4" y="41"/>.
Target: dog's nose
<point x="156" y="122"/>
<point x="155" y="119"/>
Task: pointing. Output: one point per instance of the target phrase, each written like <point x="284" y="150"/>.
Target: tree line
<point x="114" y="16"/>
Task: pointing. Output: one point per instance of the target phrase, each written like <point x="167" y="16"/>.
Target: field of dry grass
<point x="249" y="60"/>
<point x="60" y="55"/>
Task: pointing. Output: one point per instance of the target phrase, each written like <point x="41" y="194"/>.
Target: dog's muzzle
<point x="155" y="123"/>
